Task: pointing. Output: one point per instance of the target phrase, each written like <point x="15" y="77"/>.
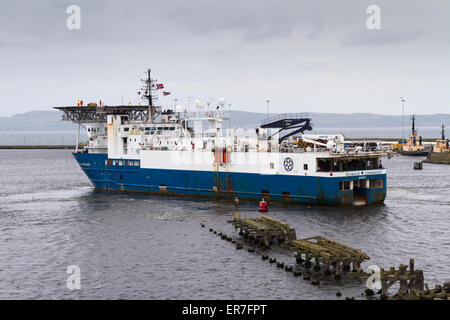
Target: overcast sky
<point x="302" y="55"/>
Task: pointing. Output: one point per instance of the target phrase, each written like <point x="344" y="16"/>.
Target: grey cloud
<point x="29" y="42"/>
<point x="381" y="37"/>
<point x="256" y="21"/>
<point x="297" y="52"/>
<point x="247" y="21"/>
<point x="251" y="21"/>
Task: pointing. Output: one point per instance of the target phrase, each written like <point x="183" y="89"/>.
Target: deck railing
<point x="283" y="116"/>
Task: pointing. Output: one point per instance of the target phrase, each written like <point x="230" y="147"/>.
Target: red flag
<point x="166" y="93"/>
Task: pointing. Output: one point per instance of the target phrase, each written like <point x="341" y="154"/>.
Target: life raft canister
<point x="263" y="206"/>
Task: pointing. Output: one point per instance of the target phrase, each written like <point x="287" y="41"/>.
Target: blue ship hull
<point x="297" y="189"/>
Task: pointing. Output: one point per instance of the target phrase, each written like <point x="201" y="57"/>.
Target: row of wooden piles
<point x="411" y="283"/>
<point x="331" y="254"/>
<point x="264" y="230"/>
<point x="326" y="253"/>
<point x="334" y="257"/>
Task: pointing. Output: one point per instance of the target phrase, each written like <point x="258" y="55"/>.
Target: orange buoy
<point x="263" y="206"/>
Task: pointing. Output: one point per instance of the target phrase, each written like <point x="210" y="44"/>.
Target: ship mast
<point x="443" y="132"/>
<point x="413" y="126"/>
<point x="147" y="85"/>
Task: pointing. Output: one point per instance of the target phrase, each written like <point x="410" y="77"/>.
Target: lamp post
<point x="268" y="101"/>
<point x="229" y="116"/>
<point x="403" y="119"/>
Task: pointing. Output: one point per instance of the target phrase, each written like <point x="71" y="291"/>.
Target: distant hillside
<point x="35" y="121"/>
<point x="348" y="120"/>
<point x="51" y="120"/>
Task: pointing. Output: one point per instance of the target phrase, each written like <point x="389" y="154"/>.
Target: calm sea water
<point x="135" y="246"/>
<point x="27" y="138"/>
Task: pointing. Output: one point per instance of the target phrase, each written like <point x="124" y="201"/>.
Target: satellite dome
<point x="179" y="108"/>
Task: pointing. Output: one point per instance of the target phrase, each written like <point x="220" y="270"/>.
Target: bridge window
<point x="359" y="184"/>
<point x="379" y="183"/>
<point x="376" y="183"/>
<point x="305" y="167"/>
<point x="352" y="164"/>
<point x="324" y="165"/>
<point x="344" y="185"/>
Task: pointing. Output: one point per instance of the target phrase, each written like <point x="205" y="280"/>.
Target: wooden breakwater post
<point x="321" y="250"/>
<point x="411" y="282"/>
<point x="263" y="230"/>
<point x="330" y="253"/>
<point x="438" y="293"/>
<point x="336" y="257"/>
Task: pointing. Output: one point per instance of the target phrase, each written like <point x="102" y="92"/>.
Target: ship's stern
<point x="348" y="189"/>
